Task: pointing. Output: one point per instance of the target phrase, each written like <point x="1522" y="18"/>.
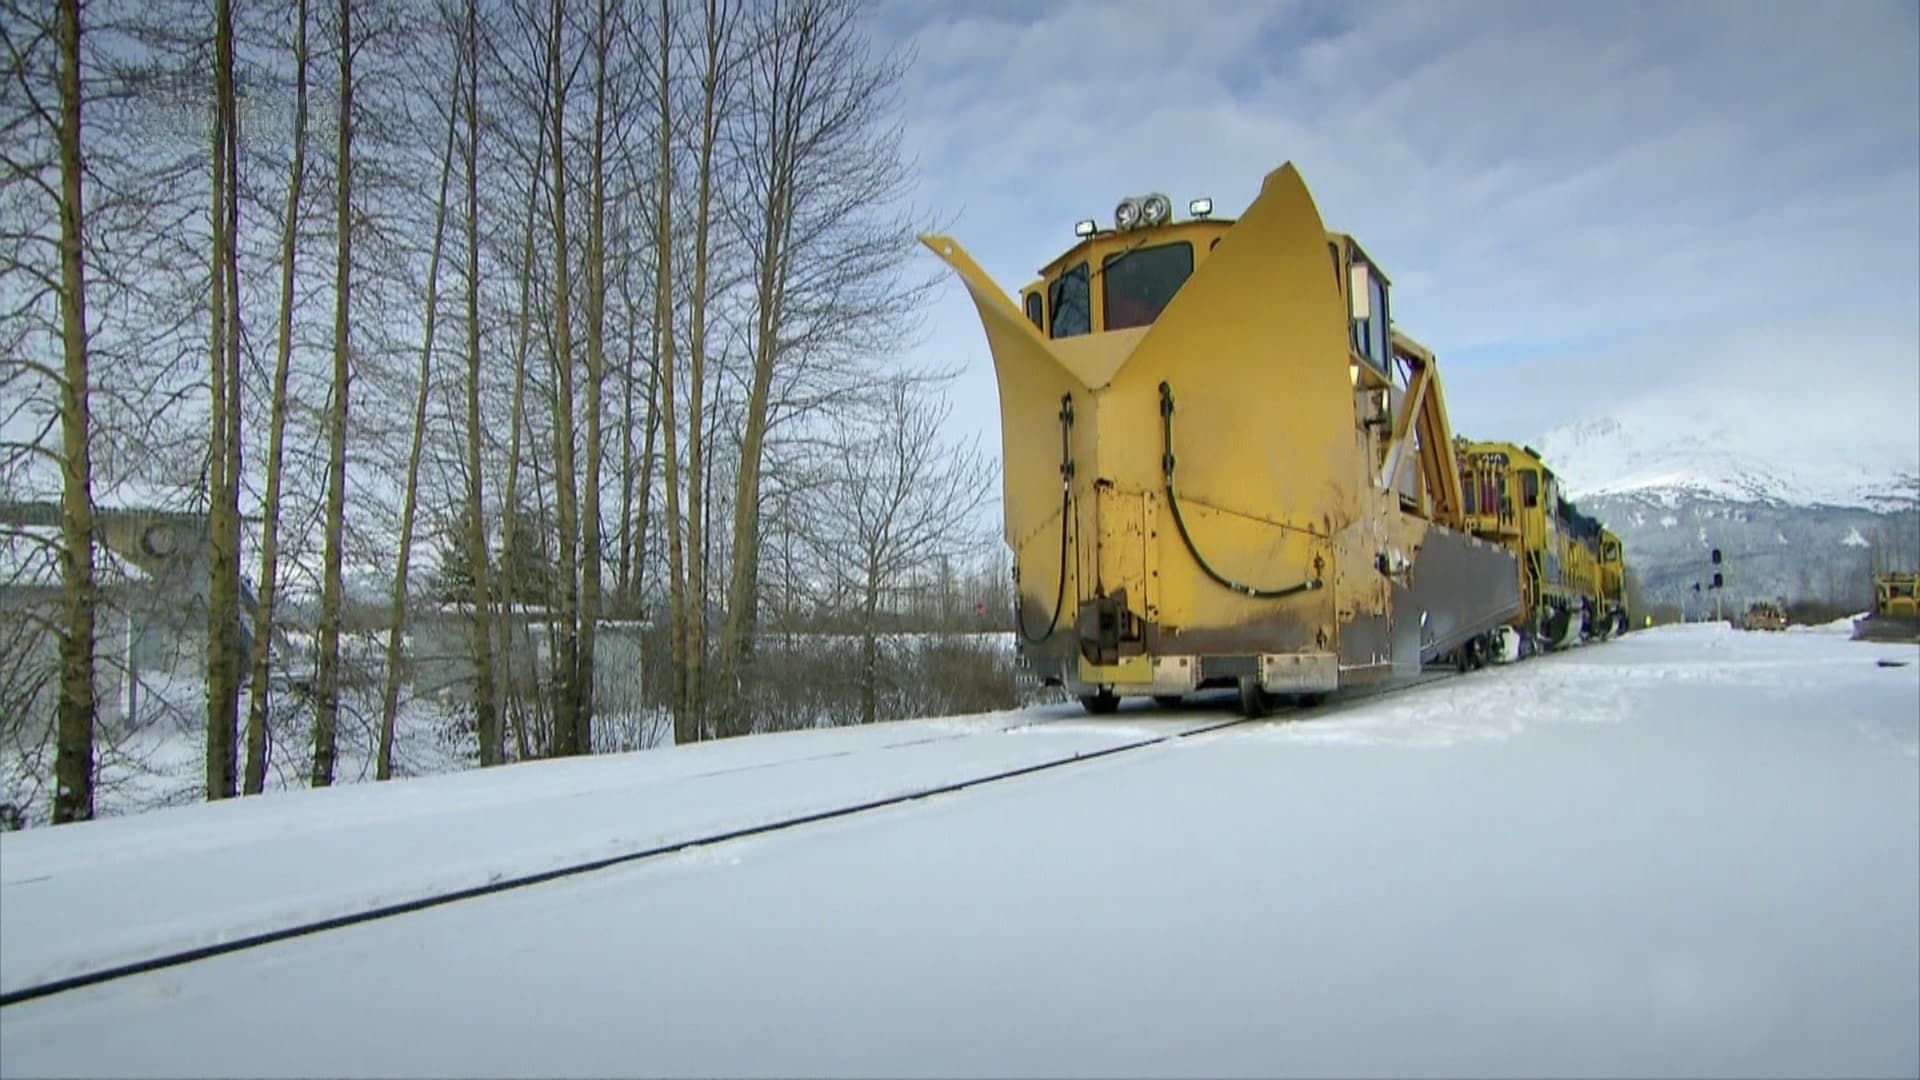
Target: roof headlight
<point x="1155" y="209"/>
<point x="1127" y="214"/>
<point x="1200" y="207"/>
<point x="1083" y="227"/>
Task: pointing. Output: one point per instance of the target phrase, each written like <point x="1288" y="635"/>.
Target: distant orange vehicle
<point x="1764" y="616"/>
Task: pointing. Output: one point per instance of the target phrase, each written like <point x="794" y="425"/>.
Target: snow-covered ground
<point x="1692" y="851"/>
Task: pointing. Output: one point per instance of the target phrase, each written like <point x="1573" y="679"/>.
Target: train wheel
<point x="1253" y="699"/>
<point x="1100" y="704"/>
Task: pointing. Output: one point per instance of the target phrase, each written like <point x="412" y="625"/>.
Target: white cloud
<point x="1577" y="203"/>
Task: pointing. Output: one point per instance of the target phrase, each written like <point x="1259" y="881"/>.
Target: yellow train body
<point x="1572" y="571"/>
<point x="1895" y="615"/>
<point x="1223" y="466"/>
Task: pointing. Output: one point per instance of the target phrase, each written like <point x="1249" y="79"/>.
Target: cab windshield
<point x="1141" y="282"/>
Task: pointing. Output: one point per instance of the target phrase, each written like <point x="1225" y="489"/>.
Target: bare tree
<point x="254" y="781"/>
<point x="819" y="168"/>
<point x="109" y="387"/>
<point x="390" y="699"/>
<point x="715" y="80"/>
<point x="567" y="691"/>
<point x="900" y="502"/>
<point x="590" y="559"/>
<point x="73" y="763"/>
<point x="223" y="531"/>
<point x="685" y="729"/>
<point x="485" y="707"/>
<point x="511" y="538"/>
<point x="327" y="674"/>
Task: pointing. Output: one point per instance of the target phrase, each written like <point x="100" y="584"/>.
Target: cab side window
<point x="1377" y="324"/>
<point x="1530" y="488"/>
<point x="1034" y="310"/>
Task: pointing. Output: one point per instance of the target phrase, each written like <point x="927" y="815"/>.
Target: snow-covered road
<point x="1689" y="852"/>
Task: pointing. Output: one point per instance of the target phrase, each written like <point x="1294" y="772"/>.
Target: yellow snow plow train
<point x="1223" y="466"/>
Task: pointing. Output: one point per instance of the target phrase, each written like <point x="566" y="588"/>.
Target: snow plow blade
<point x="1214" y="473"/>
<point x="1887" y="629"/>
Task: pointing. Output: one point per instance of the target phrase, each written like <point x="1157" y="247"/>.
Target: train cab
<point x="1122" y="278"/>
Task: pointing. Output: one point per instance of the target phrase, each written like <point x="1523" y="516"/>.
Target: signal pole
<point x="1719" y="587"/>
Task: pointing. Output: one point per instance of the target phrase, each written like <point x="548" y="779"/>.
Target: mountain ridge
<point x="1760" y="462"/>
<point x="1797" y="517"/>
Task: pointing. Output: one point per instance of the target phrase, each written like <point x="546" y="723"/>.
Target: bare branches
<point x="325" y="728"/>
<point x="693" y="204"/>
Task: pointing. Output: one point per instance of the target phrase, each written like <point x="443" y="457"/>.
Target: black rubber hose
<point x="1180" y="523"/>
<point x="1060" y="595"/>
<point x="1066" y="506"/>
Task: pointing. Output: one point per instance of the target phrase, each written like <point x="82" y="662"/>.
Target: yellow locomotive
<point x="1572" y="571"/>
<point x="1224" y="466"/>
<point x="1895" y="615"/>
<point x="1613" y="584"/>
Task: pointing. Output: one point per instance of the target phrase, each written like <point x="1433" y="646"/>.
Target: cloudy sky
<point x="1586" y="209"/>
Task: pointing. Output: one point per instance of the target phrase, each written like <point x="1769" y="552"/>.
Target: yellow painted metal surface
<point x="1897" y="594"/>
<point x="1557" y="568"/>
<point x="1129" y="670"/>
<point x="1423" y="434"/>
<point x="1269" y="467"/>
<point x="1283" y="528"/>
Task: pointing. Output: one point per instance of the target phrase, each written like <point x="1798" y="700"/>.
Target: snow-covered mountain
<point x="1761" y="458"/>
<point x="1800" y="515"/>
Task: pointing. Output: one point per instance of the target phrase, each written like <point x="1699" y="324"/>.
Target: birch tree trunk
<point x="642" y="515"/>
<point x="819" y="162"/>
<point x="223" y="471"/>
<point x="73" y="756"/>
<point x="685" y="728"/>
<point x="566" y="651"/>
<point x="390" y="697"/>
<point x="327" y="676"/>
<point x="736" y="641"/>
<point x="256" y="769"/>
<point x="523" y="337"/>
<point x="596" y="377"/>
<point x="869" y="643"/>
<point x="485" y="707"/>
<point x="623" y="570"/>
<point x="718" y="31"/>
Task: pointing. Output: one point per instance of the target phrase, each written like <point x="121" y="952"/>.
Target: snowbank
<point x="1691" y="851"/>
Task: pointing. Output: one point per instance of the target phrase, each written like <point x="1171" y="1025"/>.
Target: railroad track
<point x="1346" y="702"/>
